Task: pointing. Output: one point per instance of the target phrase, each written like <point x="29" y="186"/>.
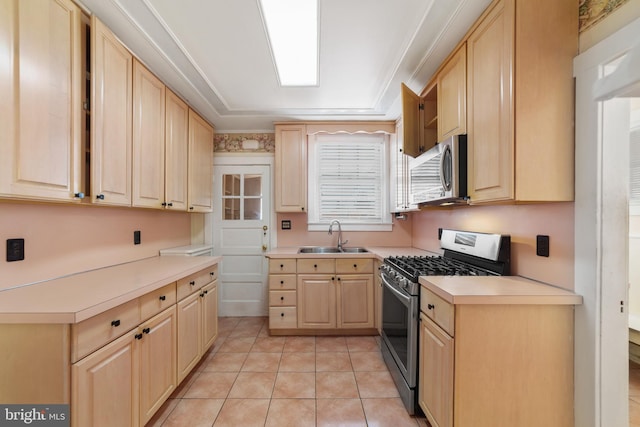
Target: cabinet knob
<point x="333" y="278"/>
<point x="430" y="306"/>
<point x="100" y="197"/>
<point x="281" y="298"/>
<point x="138" y="336"/>
<point x="169" y="204"/>
<point x="79" y="195"/>
<point x="115" y="323"/>
<point x="164" y="204"/>
<point x="146" y="330"/>
<point x="206" y="292"/>
<point x="338" y="278"/>
<point x="212" y="273"/>
<point x="282" y="282"/>
<point x="281" y="266"/>
<point x="191" y="208"/>
<point x="281" y="314"/>
<point x="355" y="265"/>
<point x="162" y="297"/>
<point x="302" y="208"/>
<point x="192" y="283"/>
<point x="315" y="265"/>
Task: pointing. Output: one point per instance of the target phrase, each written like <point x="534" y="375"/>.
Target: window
<point x="348" y="181"/>
<point x="242" y="197"/>
<point x="634" y="150"/>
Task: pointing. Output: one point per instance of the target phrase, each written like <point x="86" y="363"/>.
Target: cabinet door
<point x="490" y="108"/>
<point x="355" y="301"/>
<point x="200" y="186"/>
<point x="291" y="168"/>
<point x="40" y="106"/>
<point x="411" y="122"/>
<point x="452" y="96"/>
<point x="111" y="118"/>
<point x="157" y="362"/>
<point x="209" y="314"/>
<point x="148" y="138"/>
<point x="105" y="386"/>
<point x="189" y="334"/>
<point x="316" y="301"/>
<point x="435" y="388"/>
<point x="177" y="152"/>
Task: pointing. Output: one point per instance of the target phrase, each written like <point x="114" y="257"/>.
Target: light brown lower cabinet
<point x="504" y="365"/>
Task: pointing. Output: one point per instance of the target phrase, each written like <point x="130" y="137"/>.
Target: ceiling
<point x="215" y="54"/>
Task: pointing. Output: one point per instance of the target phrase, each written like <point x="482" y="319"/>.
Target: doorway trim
<point x="601" y="245"/>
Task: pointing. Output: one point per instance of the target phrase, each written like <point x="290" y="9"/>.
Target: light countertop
<point x="497" y="290"/>
<point x="77" y="297"/>
<point x="379" y="252"/>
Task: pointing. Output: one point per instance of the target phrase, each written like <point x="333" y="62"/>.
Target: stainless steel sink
<point x="354" y="250"/>
<point x="329" y="250"/>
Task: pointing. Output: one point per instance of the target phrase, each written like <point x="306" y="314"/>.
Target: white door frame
<point x="601" y="245"/>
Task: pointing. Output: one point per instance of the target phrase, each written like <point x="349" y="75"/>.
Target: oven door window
<point x="395" y="324"/>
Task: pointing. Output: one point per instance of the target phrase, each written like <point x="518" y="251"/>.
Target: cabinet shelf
<point x="432" y="124"/>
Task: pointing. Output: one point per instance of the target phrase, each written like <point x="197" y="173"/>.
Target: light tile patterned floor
<point x="251" y="379"/>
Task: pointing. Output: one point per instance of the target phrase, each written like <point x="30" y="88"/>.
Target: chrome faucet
<point x="340" y="242"/>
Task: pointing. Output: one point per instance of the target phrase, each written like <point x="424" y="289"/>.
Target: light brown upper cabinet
<point x="176" y="152"/>
<point x="291" y="168"/>
<point x="111" y="117"/>
<point x="520" y="102"/>
<point x="452" y="96"/>
<point x="40" y="106"/>
<point x="148" y="138"/>
<point x="420" y="120"/>
<point x="200" y="184"/>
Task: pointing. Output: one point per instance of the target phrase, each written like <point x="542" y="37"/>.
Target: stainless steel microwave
<point x="439" y="176"/>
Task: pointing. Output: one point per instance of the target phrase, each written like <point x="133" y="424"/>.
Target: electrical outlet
<point x="15" y="250"/>
<point x="542" y="245"/>
<point x="286" y="224"/>
<point x="136" y="237"/>
<point x="439" y="233"/>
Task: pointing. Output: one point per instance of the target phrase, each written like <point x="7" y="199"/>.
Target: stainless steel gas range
<point x="465" y="254"/>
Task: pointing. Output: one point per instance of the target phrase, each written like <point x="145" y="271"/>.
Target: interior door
<point x="241" y="222"/>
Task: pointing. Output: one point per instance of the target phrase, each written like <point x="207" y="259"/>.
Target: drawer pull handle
<point x="138" y="336"/>
<point x="146" y="330"/>
<point x="281" y="266"/>
<point x="100" y="197"/>
<point x="315" y="265"/>
<point x="282" y="282"/>
<point x="162" y="297"/>
<point x="338" y="278"/>
<point x="115" y="323"/>
<point x="281" y="314"/>
<point x="281" y="298"/>
<point x="212" y="273"/>
<point x="355" y="265"/>
<point x="192" y="283"/>
<point x="430" y="306"/>
<point x="333" y="278"/>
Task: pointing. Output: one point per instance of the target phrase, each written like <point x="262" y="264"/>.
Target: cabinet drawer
<point x="156" y="301"/>
<point x="282" y="281"/>
<point x="312" y="265"/>
<point x="438" y="310"/>
<point x="282" y="298"/>
<point x="194" y="282"/>
<point x="283" y="318"/>
<point x="282" y="266"/>
<point x="354" y="265"/>
<point x="98" y="330"/>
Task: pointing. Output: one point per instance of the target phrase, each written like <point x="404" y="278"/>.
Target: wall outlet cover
<point x="15" y="250"/>
<point x="286" y="224"/>
<point x="136" y="237"/>
<point x="542" y="245"/>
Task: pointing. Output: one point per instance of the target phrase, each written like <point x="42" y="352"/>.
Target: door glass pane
<point x="252" y="185"/>
<point x="253" y="208"/>
<point x="231" y="185"/>
<point x="231" y="208"/>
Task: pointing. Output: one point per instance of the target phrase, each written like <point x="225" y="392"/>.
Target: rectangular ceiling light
<point x="292" y="27"/>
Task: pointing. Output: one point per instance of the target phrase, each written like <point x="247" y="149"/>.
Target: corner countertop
<point x="497" y="290"/>
<point x="77" y="297"/>
<point x="379" y="252"/>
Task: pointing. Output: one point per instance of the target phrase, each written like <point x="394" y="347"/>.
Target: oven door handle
<point x="406" y="300"/>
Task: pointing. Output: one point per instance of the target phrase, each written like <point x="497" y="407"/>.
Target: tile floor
<point x="251" y="379"/>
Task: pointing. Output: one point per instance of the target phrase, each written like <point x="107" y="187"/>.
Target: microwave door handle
<point x="441" y="170"/>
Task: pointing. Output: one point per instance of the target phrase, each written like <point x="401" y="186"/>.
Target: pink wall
<point x="523" y="223"/>
<point x="299" y="236"/>
<point x="62" y="239"/>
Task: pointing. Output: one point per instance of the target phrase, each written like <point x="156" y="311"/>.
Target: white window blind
<point x="634" y="171"/>
<point x="348" y="179"/>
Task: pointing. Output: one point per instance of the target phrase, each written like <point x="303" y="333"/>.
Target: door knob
<point x="264" y="248"/>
